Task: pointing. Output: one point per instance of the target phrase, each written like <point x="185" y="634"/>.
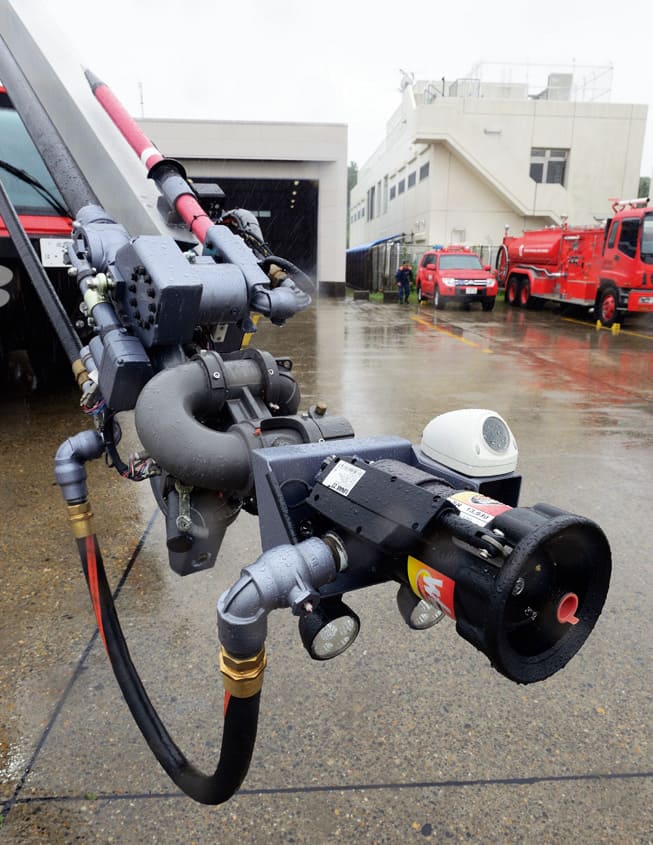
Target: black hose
<point x="65" y="171"/>
<point x="42" y="284"/>
<point x="307" y="284"/>
<point x="240" y="718"/>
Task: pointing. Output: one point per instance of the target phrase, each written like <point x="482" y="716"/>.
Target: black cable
<point x="289" y="267"/>
<point x="26" y="177"/>
<point x="240" y="718"/>
<point x="39" y="278"/>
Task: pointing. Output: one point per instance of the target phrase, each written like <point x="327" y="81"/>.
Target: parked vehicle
<point x="607" y="269"/>
<point x="455" y="274"/>
<point x="29" y="349"/>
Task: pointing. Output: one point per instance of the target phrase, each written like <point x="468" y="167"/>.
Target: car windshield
<point x="460" y="262"/>
<point x="17" y="150"/>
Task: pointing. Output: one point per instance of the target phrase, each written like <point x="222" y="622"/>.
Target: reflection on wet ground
<point x="409" y="736"/>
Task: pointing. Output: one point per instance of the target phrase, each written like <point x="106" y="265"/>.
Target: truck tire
<point x="512" y="292"/>
<point x="488" y="303"/>
<point x="525" y="294"/>
<point x="438" y="301"/>
<point x="607" y="305"/>
<point x="420" y="298"/>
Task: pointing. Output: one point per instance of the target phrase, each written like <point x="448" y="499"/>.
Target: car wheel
<point x="438" y="300"/>
<point x="488" y="303"/>
<point x="419" y="294"/>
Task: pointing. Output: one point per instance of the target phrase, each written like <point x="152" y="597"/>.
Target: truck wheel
<point x="607" y="306"/>
<point x="512" y="292"/>
<point x="438" y="300"/>
<point x="419" y="294"/>
<point x="488" y="303"/>
<point x="525" y="294"/>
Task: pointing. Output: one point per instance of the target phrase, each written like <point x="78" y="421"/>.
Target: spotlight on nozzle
<point x="329" y="629"/>
<point x="416" y="612"/>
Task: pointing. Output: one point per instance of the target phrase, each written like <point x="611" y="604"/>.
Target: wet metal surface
<point x="409" y="736"/>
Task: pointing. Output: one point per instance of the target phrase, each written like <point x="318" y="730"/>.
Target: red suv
<point x="455" y="274"/>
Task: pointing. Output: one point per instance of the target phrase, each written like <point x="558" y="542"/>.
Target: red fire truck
<point x="29" y="349"/>
<point x="607" y="269"/>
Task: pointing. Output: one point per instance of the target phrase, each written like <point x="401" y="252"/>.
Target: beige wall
<point x="271" y="150"/>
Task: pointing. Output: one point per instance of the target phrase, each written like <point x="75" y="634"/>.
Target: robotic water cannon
<point x="524" y="585"/>
<point x="221" y="430"/>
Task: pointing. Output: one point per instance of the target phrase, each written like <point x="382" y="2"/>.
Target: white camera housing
<point x="471" y="441"/>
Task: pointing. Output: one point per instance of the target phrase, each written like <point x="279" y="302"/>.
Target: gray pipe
<point x="69" y="469"/>
<point x="169" y="409"/>
<point x="285" y="576"/>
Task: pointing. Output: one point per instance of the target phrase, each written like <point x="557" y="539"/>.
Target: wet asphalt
<point x="408" y="737"/>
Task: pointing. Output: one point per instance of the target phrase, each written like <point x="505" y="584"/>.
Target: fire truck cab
<point x="607" y="269"/>
<point x="27" y="342"/>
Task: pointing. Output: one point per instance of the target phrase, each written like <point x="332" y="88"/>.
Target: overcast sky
<point x="339" y="61"/>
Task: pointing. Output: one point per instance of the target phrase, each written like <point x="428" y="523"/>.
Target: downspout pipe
<point x="171" y="405"/>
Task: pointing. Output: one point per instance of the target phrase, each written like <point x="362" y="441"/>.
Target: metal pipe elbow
<point x="166" y="417"/>
<point x="69" y="469"/>
<point x="285" y="576"/>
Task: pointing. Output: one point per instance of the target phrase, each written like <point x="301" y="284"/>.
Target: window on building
<point x="412" y="178"/>
<point x="401" y="187"/>
<point x="378" y="199"/>
<point x="424" y="171"/>
<point x="385" y="194"/>
<point x="370" y="203"/>
<point x="549" y="165"/>
<point x="393" y="192"/>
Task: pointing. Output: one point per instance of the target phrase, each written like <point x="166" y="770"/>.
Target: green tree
<point x="644" y="186"/>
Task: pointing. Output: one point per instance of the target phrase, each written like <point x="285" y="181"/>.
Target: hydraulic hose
<point x="67" y="175"/>
<point x="240" y="713"/>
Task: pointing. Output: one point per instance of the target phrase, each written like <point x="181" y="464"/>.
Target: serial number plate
<point x="646" y="300"/>
<point x="471" y="290"/>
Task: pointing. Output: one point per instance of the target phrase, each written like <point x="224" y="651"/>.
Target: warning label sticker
<point x="431" y="585"/>
<point x="343" y="477"/>
<point x="477" y="508"/>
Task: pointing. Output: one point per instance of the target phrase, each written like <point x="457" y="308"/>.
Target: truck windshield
<point x="18" y="151"/>
<point x="647" y="239"/>
<point x="460" y="262"/>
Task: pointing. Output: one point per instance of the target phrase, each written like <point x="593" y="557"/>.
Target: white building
<point x="461" y="160"/>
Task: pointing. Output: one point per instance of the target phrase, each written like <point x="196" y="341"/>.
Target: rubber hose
<point x="240" y="718"/>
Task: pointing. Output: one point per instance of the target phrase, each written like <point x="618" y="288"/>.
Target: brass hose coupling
<point x="242" y="677"/>
<point x="80" y="519"/>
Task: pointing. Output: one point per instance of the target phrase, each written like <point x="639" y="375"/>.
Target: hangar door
<point x="286" y="211"/>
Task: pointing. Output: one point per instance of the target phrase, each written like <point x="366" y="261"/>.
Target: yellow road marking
<point x="606" y="329"/>
<point x="437" y="328"/>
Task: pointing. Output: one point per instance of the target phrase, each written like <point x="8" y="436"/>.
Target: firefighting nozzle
<point x="524" y="585"/>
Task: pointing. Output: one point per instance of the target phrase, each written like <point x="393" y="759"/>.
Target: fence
<point x="372" y="267"/>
